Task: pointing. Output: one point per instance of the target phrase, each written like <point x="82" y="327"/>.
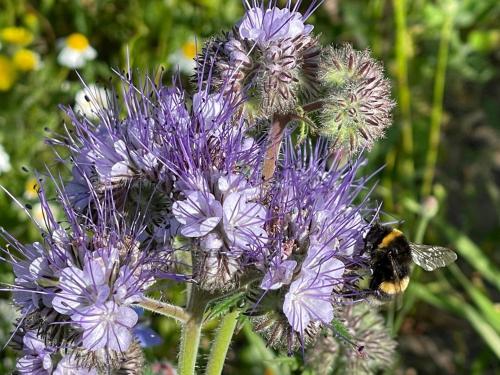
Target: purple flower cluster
<point x="42" y="359"/>
<point x="78" y="288"/>
<point x="37" y="357"/>
<point x="264" y="26"/>
<point x="316" y="230"/>
<point x="225" y="219"/>
<point x="171" y="185"/>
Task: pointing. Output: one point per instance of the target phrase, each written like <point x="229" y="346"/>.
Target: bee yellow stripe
<point x="389" y="287"/>
<point x="386" y="241"/>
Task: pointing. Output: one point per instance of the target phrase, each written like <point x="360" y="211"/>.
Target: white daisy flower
<point x="90" y="99"/>
<point x="183" y="59"/>
<point x="76" y="51"/>
<point x="38" y="214"/>
<point x="31" y="188"/>
<point x="4" y="161"/>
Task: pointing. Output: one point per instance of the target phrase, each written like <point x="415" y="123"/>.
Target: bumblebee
<point x="391" y="255"/>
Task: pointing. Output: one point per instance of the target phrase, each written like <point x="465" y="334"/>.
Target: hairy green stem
<point x="221" y="344"/>
<point x="437" y="104"/>
<point x="191" y="332"/>
<point x="165" y="309"/>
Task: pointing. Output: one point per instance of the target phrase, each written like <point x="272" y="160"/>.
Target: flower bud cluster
<point x="357" y="107"/>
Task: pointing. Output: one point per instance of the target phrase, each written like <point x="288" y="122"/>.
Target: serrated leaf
<point x="221" y="307"/>
<point x="341" y="330"/>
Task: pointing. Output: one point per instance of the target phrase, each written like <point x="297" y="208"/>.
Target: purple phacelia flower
<point x="209" y="110"/>
<point x="223" y="216"/>
<point x="83" y="280"/>
<point x="231" y="218"/>
<point x="97" y="298"/>
<point x="68" y="365"/>
<point x="116" y="150"/>
<point x="315" y="228"/>
<point x="243" y="222"/>
<point x="199" y="214"/>
<point x="106" y="325"/>
<point x="37" y="358"/>
<point x="279" y="274"/>
<point x="267" y="25"/>
<point x="81" y="288"/>
<point x="310" y="295"/>
<point x="270" y="57"/>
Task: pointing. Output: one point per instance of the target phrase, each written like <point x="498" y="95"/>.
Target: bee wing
<point x="431" y="257"/>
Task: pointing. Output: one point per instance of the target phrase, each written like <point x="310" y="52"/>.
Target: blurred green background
<point x="441" y="156"/>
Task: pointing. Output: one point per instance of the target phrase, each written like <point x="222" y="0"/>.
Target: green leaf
<point x="224" y="305"/>
<point x="467" y="249"/>
<point x="341" y="330"/>
<point x="459" y="307"/>
<point x="491" y="314"/>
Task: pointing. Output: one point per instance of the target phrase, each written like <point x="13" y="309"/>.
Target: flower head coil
<point x="268" y="58"/>
<point x="315" y="231"/>
<point x="358" y="104"/>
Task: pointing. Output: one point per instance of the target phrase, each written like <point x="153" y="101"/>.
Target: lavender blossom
<point x="228" y="224"/>
<point x="37" y="359"/>
<point x="78" y="287"/>
<point x="314" y="230"/>
<point x="199" y="214"/>
<point x="112" y="151"/>
<point x="69" y="365"/>
<point x="106" y="325"/>
<point x="271" y="24"/>
<point x="279" y="274"/>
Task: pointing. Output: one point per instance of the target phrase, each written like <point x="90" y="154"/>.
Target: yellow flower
<point x="31" y="188"/>
<point x="76" y="51"/>
<point x="26" y="60"/>
<point x="7" y="73"/>
<point x="189" y="49"/>
<point x="183" y="59"/>
<point x="16" y="35"/>
<point x="31" y="20"/>
<point x="78" y="42"/>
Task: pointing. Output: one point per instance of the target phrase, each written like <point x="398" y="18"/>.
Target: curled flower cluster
<point x="316" y="231"/>
<point x="365" y="347"/>
<point x="171" y="185"/>
<point x="77" y="289"/>
<point x="358" y="106"/>
<point x="270" y="56"/>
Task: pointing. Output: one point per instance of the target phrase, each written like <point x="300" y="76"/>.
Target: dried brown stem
<point x="275" y="137"/>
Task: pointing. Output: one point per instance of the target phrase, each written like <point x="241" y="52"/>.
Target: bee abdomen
<point x="394" y="287"/>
